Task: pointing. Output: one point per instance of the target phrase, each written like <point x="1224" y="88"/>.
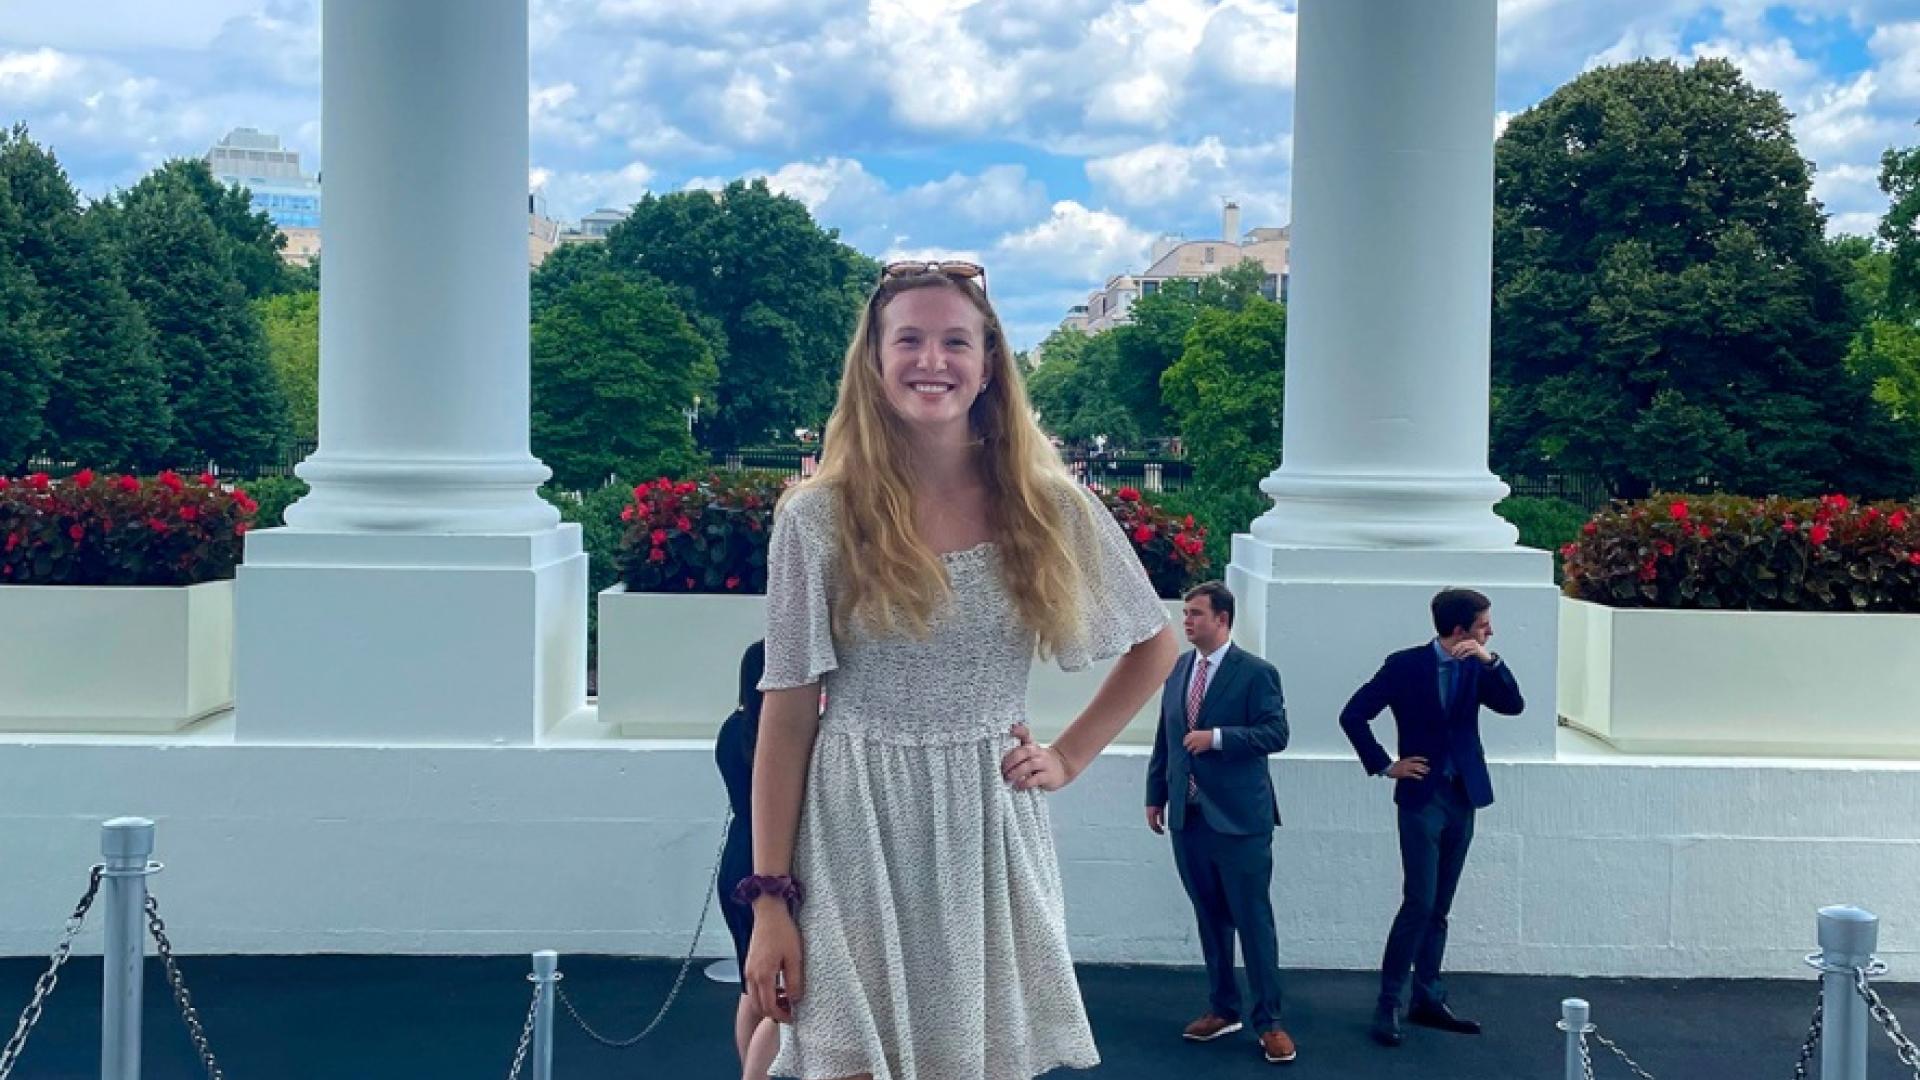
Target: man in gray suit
<point x="1220" y="716"/>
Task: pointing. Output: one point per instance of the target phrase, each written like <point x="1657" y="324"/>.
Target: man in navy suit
<point x="1220" y="716"/>
<point x="1435" y="691"/>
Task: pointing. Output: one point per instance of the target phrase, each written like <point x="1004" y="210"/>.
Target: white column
<point x="423" y="320"/>
<point x="1383" y="495"/>
<point x="1387" y="328"/>
<point x="423" y="592"/>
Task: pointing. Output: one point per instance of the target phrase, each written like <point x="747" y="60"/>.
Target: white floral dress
<point x="934" y="928"/>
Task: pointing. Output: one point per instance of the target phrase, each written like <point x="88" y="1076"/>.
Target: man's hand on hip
<point x="1408" y="768"/>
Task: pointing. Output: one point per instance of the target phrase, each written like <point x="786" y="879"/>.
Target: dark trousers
<point x="1230" y="881"/>
<point x="1434" y="839"/>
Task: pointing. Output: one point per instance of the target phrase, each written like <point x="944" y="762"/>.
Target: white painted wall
<point x="1592" y="865"/>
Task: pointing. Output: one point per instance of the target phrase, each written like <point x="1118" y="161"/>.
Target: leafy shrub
<point x="1223" y="511"/>
<point x="711" y="535"/>
<point x="88" y="530"/>
<point x="1173" y="550"/>
<point x="1547" y="524"/>
<point x="700" y="536"/>
<point x="275" y="494"/>
<point x="1774" y="554"/>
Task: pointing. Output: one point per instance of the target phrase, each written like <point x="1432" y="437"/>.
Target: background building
<point x="594" y="227"/>
<point x="1175" y="259"/>
<point x="255" y="160"/>
<point x="543" y="233"/>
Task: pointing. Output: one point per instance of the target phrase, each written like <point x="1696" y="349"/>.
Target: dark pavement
<point x="377" y="1017"/>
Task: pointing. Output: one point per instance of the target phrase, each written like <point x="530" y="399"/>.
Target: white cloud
<point x="573" y="193"/>
<point x="998" y="195"/>
<point x="747" y="107"/>
<point x="1656" y="40"/>
<point x="1857" y="223"/>
<point x="930" y="254"/>
<point x="1771" y="65"/>
<point x="119" y="25"/>
<point x="1158" y="173"/>
<point x="819" y="185"/>
<point x="1839" y="120"/>
<point x="1252" y="42"/>
<point x="1896" y="48"/>
<point x="1177" y="181"/>
<point x="27" y="78"/>
<point x="940" y="76"/>
<point x="278" y="44"/>
<point x="1077" y="242"/>
<point x="556" y="113"/>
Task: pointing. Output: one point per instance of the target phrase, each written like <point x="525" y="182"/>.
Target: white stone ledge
<point x="1602" y="866"/>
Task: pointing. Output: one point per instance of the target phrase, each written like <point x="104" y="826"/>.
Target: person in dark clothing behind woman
<point x="755" y="1037"/>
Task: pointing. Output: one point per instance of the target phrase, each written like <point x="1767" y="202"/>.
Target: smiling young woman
<point x="909" y="920"/>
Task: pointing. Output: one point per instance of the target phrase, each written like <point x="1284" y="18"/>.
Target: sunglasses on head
<point x="952" y="268"/>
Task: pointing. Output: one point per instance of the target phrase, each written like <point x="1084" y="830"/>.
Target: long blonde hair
<point x="889" y="580"/>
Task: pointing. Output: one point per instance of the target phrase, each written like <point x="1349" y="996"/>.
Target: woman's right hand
<point x="774" y="976"/>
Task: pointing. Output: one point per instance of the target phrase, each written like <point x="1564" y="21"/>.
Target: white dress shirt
<point x="1213" y="672"/>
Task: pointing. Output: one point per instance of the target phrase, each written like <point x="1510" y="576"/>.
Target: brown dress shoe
<point x="1277" y="1047"/>
<point x="1209" y="1028"/>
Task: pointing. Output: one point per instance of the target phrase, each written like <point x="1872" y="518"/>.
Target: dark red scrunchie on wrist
<point x="754" y="886"/>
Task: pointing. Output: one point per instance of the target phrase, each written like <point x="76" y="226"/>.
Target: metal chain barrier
<point x="679" y="981"/>
<point x="43" y="986"/>
<point x="1909" y="1054"/>
<point x="180" y="995"/>
<point x="1639" y="1072"/>
<point x="526" y="1035"/>
<point x="1807" y="1048"/>
<point x="1801" y="1066"/>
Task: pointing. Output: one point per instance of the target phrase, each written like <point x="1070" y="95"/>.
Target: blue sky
<point x="1051" y="139"/>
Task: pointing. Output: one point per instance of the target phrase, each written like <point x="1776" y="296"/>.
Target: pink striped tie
<point x="1195" y="694"/>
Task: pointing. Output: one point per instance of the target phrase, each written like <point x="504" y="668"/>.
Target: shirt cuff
<point x="1216" y="738"/>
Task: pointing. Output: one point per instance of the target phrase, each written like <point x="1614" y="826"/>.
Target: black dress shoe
<point x="1386" y="1027"/>
<point x="1441" y="1018"/>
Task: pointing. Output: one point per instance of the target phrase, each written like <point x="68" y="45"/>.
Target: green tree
<point x="303" y="278"/>
<point x="563" y="268"/>
<point x="1073" y="389"/>
<point x="107" y="403"/>
<point x="27" y="363"/>
<point x="615" y="363"/>
<point x="290" y="323"/>
<point x="1226" y="392"/>
<point x="1886" y="292"/>
<point x="1155" y="336"/>
<point x="251" y="239"/>
<point x="1900" y="229"/>
<point x="776" y="296"/>
<point x="1665" y="303"/>
<point x="1053" y="385"/>
<point x="226" y="402"/>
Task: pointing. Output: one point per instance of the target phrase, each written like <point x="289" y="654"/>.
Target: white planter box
<point x="1741" y="682"/>
<point x="114" y="658"/>
<point x="670" y="663"/>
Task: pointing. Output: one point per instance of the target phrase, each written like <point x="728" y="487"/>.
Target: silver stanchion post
<point x="126" y="845"/>
<point x="1573" y="1020"/>
<point x="546" y="963"/>
<point x="1848" y="936"/>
